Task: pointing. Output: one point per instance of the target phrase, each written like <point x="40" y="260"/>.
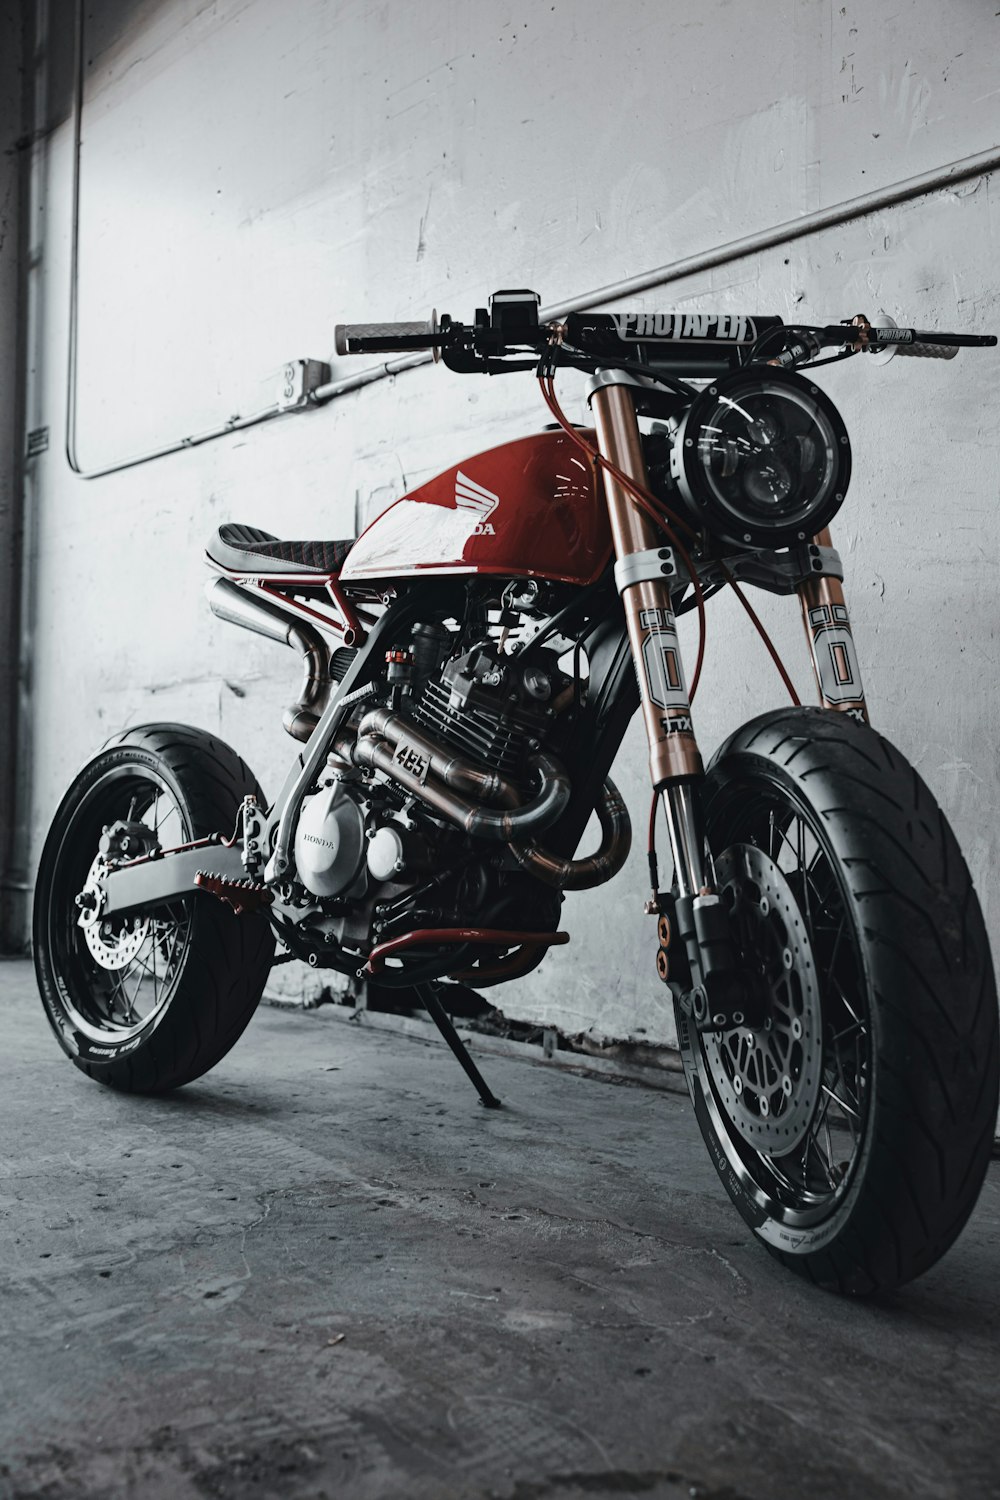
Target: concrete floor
<point x="324" y="1270"/>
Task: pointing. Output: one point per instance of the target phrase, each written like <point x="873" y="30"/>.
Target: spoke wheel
<point x="853" y="1128"/>
<point x="119" y="973"/>
<point x="792" y="1095"/>
<point x="146" y="1001"/>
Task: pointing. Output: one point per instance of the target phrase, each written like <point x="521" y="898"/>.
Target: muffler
<point x="266" y="617"/>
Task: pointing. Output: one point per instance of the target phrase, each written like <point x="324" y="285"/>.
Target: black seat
<point x="247" y="549"/>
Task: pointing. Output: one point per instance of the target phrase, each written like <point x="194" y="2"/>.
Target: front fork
<point x="645" y="573"/>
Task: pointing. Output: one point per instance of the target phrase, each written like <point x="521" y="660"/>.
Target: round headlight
<point x="762" y="459"/>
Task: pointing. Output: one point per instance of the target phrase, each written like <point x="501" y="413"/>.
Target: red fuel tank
<point x="526" y="509"/>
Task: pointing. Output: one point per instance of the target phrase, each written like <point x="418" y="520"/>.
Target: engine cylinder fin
<point x="500" y="742"/>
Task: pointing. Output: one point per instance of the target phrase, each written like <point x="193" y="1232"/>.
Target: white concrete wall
<point x="253" y="172"/>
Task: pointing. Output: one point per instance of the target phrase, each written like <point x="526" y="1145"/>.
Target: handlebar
<point x="385" y="338"/>
<point x="509" y="336"/>
<point x="922" y="349"/>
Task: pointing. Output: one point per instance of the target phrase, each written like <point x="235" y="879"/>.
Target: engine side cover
<point x="330" y="843"/>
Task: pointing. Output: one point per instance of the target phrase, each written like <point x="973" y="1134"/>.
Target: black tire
<point x="145" y="1027"/>
<point x="886" y="1012"/>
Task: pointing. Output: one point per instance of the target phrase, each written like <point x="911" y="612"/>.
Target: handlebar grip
<point x="385" y="338"/>
<point x="926" y="351"/>
<point x="924" y="343"/>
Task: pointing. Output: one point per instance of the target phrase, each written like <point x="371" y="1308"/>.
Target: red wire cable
<point x="763" y="635"/>
<point x="666" y="519"/>
<point x="650" y="505"/>
<point x="649" y="502"/>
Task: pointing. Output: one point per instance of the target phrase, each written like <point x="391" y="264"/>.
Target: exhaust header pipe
<point x="592" y="869"/>
<point x="266" y="617"/>
<point x="456" y="788"/>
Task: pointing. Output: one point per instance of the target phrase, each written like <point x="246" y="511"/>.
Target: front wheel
<point x="853" y="1129"/>
<point x="149" y="1001"/>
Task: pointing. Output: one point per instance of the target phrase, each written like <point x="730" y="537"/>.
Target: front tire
<point x="853" y="1134"/>
<point x="150" y="1002"/>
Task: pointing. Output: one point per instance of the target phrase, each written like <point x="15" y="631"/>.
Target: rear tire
<point x="853" y="1135"/>
<point x="148" y="1003"/>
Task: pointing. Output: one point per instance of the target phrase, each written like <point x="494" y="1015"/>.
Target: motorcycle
<point x="470" y="665"/>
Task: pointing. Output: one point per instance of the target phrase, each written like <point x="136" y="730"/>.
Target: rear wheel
<point x="147" y="1002"/>
<point x="853" y="1130"/>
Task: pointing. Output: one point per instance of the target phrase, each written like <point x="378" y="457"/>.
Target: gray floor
<point x="324" y="1270"/>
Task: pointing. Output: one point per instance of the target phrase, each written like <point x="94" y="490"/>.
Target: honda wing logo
<point x="472" y="496"/>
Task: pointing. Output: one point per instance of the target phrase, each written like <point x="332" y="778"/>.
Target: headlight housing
<point x="761" y="458"/>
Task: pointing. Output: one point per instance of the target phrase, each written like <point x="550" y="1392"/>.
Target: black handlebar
<point x="674" y="344"/>
<point x="385" y="338"/>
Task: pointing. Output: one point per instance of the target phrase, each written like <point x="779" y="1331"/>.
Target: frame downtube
<point x="831" y="642"/>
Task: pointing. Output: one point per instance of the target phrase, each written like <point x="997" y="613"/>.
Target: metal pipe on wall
<point x="678" y="270"/>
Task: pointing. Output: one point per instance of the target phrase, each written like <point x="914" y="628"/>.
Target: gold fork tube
<point x="666" y="708"/>
<point x="831" y="642"/>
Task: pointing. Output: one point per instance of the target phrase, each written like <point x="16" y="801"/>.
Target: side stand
<point x="427" y="995"/>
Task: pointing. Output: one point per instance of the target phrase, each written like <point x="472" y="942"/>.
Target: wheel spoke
<point x="801" y="855"/>
<point x="118" y="985"/>
<point x="849" y="1110"/>
<point x="850" y="1030"/>
<point x="825" y="1164"/>
<point x="156" y="987"/>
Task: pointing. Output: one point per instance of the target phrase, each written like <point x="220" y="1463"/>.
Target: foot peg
<point x="241" y="895"/>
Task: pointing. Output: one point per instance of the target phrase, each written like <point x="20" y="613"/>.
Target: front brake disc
<point x="767" y="1080"/>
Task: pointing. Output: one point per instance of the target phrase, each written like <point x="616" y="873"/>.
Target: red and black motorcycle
<point x="471" y="663"/>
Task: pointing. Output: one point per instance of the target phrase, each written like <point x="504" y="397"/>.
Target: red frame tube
<point x="456" y="936"/>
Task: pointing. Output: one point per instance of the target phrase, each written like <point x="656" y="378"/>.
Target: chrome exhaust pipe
<point x="499" y="825"/>
<point x="446" y="764"/>
<point x="593" y="869"/>
<point x="456" y="788"/>
<point x="266" y="617"/>
<point x="413" y="757"/>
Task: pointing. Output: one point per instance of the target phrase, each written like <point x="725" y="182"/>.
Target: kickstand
<point x="427" y="995"/>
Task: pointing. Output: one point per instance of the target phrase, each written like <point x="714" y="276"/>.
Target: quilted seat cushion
<point x="250" y="549"/>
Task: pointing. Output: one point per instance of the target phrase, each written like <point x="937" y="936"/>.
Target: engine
<point x="429" y="810"/>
